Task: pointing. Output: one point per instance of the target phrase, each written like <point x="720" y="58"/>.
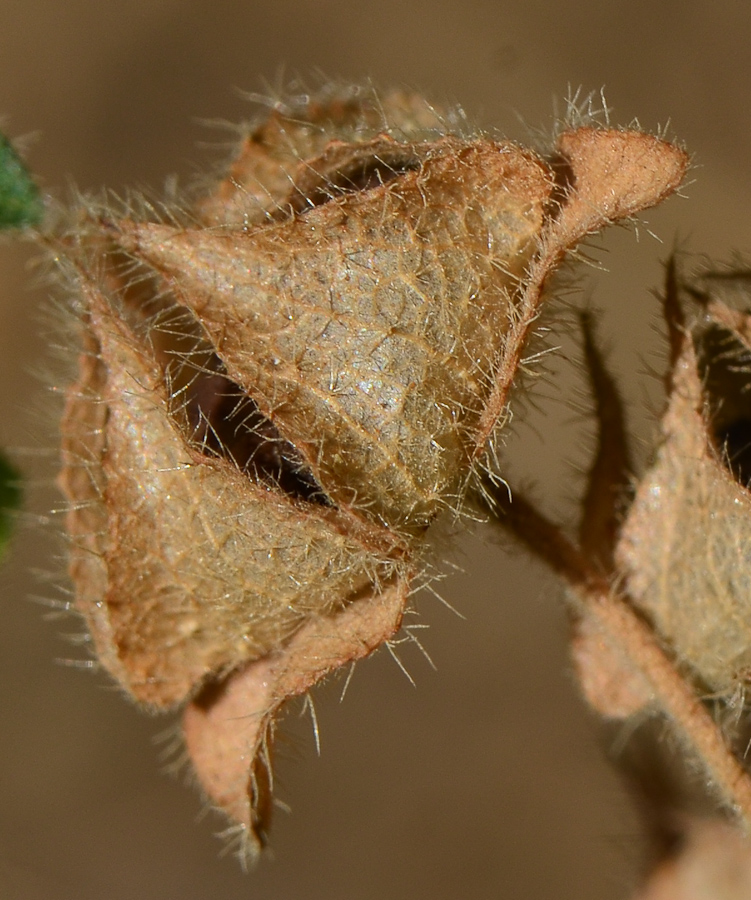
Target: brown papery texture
<point x="686" y="541"/>
<point x="197" y="567"/>
<point x="365" y="328"/>
<point x="287" y="380"/>
<point x="229" y="730"/>
<point x="359" y="331"/>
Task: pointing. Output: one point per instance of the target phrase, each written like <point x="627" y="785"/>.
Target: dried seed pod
<point x="686" y="542"/>
<point x="281" y="390"/>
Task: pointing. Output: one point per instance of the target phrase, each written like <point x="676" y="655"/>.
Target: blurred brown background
<point x="487" y="780"/>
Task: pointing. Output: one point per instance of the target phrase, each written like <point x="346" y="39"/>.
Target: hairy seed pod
<point x="282" y="387"/>
<point x="685" y="544"/>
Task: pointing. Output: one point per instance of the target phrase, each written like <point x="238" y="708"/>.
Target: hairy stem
<point x="615" y="614"/>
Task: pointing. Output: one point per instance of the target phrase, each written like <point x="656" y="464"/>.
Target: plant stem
<point x="616" y="615"/>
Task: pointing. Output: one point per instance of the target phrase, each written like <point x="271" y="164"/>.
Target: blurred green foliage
<point x="20" y="202"/>
<point x="20" y="207"/>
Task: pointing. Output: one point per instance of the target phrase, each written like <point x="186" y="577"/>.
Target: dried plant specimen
<point x="284" y="385"/>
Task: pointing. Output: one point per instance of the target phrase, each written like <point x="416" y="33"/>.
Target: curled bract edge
<point x="281" y="387"/>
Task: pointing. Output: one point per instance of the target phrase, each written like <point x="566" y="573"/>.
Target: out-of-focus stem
<point x="616" y="616"/>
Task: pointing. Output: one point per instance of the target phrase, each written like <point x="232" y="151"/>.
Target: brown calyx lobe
<point x="278" y="151"/>
<point x="366" y="329"/>
<point x="221" y="418"/>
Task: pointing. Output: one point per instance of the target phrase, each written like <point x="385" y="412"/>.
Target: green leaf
<point x="20" y="202"/>
<point x="10" y="499"/>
